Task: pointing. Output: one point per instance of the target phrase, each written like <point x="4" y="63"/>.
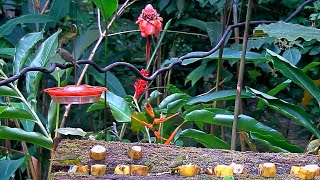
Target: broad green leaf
<point x="214" y="32"/>
<point x="6" y="52"/>
<point x="271" y="142"/>
<point x="295" y="74"/>
<point x="85" y="40"/>
<point x="21" y="135"/>
<point x="27" y="124"/>
<point x="173" y="97"/>
<point x="3" y="108"/>
<point x="119" y="107"/>
<point x="294" y="112"/>
<point x="289" y="31"/>
<point x="192" y="22"/>
<point x="174" y="106"/>
<point x="293" y="55"/>
<point x="315" y="50"/>
<point x="57" y="11"/>
<point x="8" y="167"/>
<point x="52" y="116"/>
<point x="97" y="105"/>
<point x="7" y="91"/>
<point x="45" y="52"/>
<point x="258" y="42"/>
<point x="113" y="83"/>
<point x="245" y="123"/>
<point x="153" y="96"/>
<point x="228" y="54"/>
<point x="218" y="96"/>
<point x="203" y="70"/>
<point x="16" y="113"/>
<point x="71" y="131"/>
<point x="107" y="8"/>
<point x="29" y="18"/>
<point x="135" y="125"/>
<point x="283" y="85"/>
<point x="24" y="48"/>
<point x="207" y="140"/>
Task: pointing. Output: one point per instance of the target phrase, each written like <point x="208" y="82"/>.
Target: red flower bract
<point x="140" y="85"/>
<point x="149" y="21"/>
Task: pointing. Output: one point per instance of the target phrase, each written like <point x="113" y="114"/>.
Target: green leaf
<point x="135" y="125"/>
<point x="85" y="40"/>
<point x="107" y="8"/>
<point x="214" y="30"/>
<point x="52" y="116"/>
<point x="314" y="51"/>
<point x="16" y="113"/>
<point x="113" y="83"/>
<point x="7" y="91"/>
<point x="270" y="142"/>
<point x="8" y="167"/>
<point x="119" y="107"/>
<point x="24" y="48"/>
<point x="6" y="52"/>
<point x="57" y="11"/>
<point x="21" y="135"/>
<point x="45" y="52"/>
<point x="174" y="106"/>
<point x="27" y="124"/>
<point x="289" y="31"/>
<point x="97" y="106"/>
<point x="153" y="96"/>
<point x="193" y="22"/>
<point x="295" y="74"/>
<point x="292" y="111"/>
<point x="293" y="55"/>
<point x="207" y="140"/>
<point x="283" y="85"/>
<point x="228" y="54"/>
<point x="218" y="96"/>
<point x="201" y="71"/>
<point x="71" y="131"/>
<point x="173" y="97"/>
<point x="29" y="18"/>
<point x="245" y="123"/>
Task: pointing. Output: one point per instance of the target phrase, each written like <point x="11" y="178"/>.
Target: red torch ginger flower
<point x="140" y="85"/>
<point x="149" y="21"/>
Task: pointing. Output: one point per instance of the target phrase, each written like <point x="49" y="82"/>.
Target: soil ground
<point x="162" y="156"/>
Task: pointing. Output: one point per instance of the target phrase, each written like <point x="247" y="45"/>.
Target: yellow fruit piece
<point x="223" y="170"/>
<point x="135" y="153"/>
<point x="98" y="169"/>
<point x="98" y="153"/>
<point x="139" y="170"/>
<point x="267" y="170"/>
<point x="189" y="170"/>
<point x="307" y="173"/>
<point x="295" y="170"/>
<point x="83" y="169"/>
<point x="122" y="169"/>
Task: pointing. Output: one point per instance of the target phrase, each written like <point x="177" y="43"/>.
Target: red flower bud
<point x="149" y="21"/>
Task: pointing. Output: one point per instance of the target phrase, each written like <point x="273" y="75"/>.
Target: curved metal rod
<point x="136" y="70"/>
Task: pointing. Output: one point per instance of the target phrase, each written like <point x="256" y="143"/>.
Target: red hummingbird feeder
<point x="76" y="94"/>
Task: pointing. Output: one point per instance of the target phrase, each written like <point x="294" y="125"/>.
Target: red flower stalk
<point x="149" y="21"/>
<point x="140" y="85"/>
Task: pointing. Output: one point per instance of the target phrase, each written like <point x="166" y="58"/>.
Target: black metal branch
<point x="136" y="70"/>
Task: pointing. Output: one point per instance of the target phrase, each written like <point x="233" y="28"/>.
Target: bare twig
<point x="240" y="77"/>
<point x="99" y="23"/>
<point x="45" y="7"/>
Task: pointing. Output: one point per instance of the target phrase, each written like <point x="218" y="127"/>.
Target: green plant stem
<point x="240" y="77"/>
<point x="159" y="44"/>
